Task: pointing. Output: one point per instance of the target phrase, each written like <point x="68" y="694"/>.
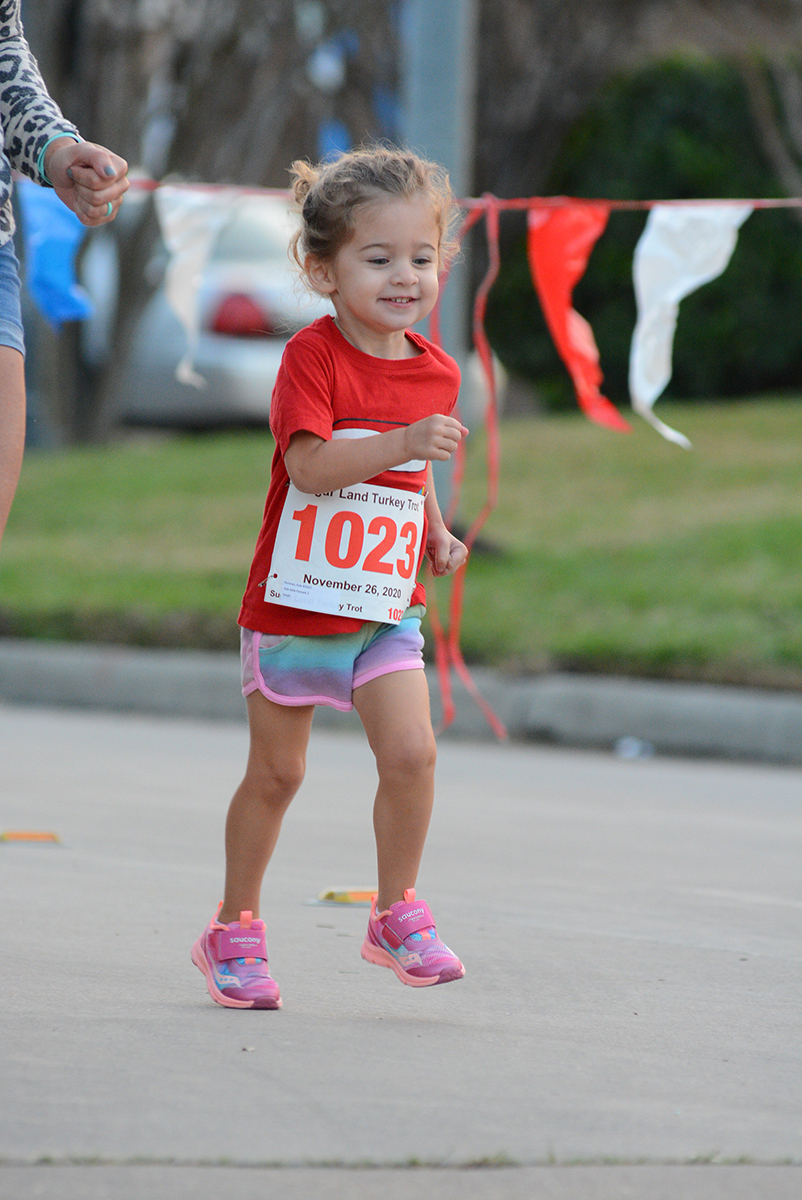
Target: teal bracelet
<point x="40" y="162"/>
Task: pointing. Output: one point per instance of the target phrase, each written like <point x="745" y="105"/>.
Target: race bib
<point x="349" y="553"/>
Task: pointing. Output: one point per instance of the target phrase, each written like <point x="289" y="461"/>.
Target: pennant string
<point x="480" y="203"/>
<point x="562" y="231"/>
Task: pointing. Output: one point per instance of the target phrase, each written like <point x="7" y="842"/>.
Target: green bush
<point x="676" y="130"/>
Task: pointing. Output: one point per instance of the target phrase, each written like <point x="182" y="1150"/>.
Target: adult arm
<point x="12" y="427"/>
<point x="41" y="143"/>
<point x="28" y="114"/>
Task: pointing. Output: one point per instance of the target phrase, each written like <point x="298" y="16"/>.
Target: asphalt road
<point x="628" y="1024"/>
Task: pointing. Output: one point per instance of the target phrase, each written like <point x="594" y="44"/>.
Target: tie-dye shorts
<point x="326" y="670"/>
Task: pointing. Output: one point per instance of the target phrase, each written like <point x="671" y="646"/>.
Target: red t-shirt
<point x="325" y="384"/>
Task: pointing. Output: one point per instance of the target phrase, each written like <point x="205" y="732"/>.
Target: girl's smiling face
<point x="385" y="278"/>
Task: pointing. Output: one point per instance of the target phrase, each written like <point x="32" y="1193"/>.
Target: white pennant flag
<point x="681" y="248"/>
<point x="190" y="221"/>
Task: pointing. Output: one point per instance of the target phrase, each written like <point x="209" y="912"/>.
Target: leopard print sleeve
<point x="28" y="116"/>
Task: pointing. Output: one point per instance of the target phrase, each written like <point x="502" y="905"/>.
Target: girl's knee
<point x="412" y="751"/>
<point x="277" y="780"/>
<point x="279" y="738"/>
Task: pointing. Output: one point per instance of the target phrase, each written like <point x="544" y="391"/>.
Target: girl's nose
<point x="405" y="273"/>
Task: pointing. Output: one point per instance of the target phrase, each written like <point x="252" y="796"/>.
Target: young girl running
<point x="332" y="609"/>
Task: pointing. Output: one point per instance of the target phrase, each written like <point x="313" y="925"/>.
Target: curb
<point x="635" y="717"/>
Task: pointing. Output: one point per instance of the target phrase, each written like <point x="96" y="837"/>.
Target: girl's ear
<point x="320" y="275"/>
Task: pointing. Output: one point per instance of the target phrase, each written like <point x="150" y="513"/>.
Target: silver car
<point x="250" y="302"/>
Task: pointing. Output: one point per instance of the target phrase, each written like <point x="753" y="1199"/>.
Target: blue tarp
<point x="51" y="235"/>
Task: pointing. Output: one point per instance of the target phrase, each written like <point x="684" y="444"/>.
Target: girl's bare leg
<point x="394" y="710"/>
<point x="275" y="770"/>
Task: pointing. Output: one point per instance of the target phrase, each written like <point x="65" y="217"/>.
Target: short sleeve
<point x="302" y="396"/>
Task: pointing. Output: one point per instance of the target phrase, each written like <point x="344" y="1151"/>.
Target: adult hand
<point x="87" y="178"/>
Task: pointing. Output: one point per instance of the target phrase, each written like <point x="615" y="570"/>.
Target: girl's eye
<point x="422" y="262"/>
<point x="379" y="262"/>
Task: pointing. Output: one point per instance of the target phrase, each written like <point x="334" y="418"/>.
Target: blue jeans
<point x="10" y="315"/>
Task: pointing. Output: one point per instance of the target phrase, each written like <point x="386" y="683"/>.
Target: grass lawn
<point x="606" y="552"/>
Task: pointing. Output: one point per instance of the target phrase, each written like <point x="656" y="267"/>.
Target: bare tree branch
<point x="766" y="124"/>
<point x="789" y="89"/>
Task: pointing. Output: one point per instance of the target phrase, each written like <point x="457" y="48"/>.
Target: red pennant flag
<point x="559" y="243"/>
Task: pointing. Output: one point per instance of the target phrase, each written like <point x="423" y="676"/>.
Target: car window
<point x="253" y="232"/>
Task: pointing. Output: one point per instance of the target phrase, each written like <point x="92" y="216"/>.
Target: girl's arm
<point x="315" y="465"/>
<point x="445" y="552"/>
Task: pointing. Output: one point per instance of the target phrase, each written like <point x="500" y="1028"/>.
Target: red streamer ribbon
<point x="448" y="653"/>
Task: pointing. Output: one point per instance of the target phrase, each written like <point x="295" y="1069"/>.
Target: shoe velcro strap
<point x="409" y="918"/>
<point x="240" y="943"/>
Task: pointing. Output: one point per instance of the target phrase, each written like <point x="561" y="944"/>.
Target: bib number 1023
<point x="352" y="552"/>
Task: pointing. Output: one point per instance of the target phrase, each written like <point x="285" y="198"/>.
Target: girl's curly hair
<point x="330" y="194"/>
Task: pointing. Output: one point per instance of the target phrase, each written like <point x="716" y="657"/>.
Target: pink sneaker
<point x="233" y="958"/>
<point x="404" y="939"/>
